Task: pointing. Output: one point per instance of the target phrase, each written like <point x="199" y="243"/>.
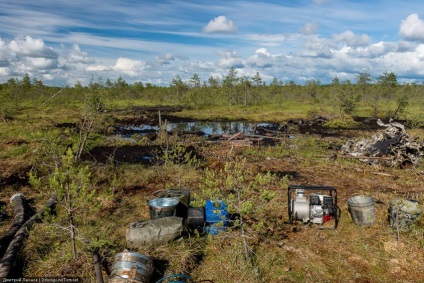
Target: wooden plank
<point x="235" y="136"/>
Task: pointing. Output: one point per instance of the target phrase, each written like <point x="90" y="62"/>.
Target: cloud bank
<point x="59" y="44"/>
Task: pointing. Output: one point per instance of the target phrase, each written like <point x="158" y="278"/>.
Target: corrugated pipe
<point x="97" y="267"/>
<point x="15" y="245"/>
<point x="20" y="209"/>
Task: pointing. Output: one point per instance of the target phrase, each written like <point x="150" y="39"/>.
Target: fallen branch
<point x="235" y="136"/>
<point x="52" y="96"/>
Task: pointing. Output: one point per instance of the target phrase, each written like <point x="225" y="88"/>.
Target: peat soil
<point x="15" y="175"/>
<point x="148" y="116"/>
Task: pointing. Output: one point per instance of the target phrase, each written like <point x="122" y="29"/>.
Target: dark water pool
<point x="207" y="128"/>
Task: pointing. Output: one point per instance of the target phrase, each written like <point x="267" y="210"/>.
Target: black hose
<point x="97" y="267"/>
<point x="20" y="216"/>
<point x="15" y="245"/>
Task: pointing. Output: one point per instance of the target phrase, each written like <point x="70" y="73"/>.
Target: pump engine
<point x="316" y="208"/>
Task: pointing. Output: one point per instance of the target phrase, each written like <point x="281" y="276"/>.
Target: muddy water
<point x="206" y="128"/>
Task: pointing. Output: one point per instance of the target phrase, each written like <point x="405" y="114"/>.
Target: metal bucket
<point x="131" y="267"/>
<point x="362" y="210"/>
<point x="183" y="195"/>
<point x="162" y="207"/>
<point x="403" y="213"/>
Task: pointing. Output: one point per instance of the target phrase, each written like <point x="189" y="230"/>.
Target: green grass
<point x="265" y="113"/>
<point x="278" y="253"/>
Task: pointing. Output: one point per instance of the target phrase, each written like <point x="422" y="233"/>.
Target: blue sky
<point x="64" y="42"/>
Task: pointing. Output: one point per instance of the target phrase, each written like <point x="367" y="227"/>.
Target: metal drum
<point x="131" y="267"/>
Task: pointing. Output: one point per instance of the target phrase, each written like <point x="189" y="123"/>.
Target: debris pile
<point x="394" y="147"/>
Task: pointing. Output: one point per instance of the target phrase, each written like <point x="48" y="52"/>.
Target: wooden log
<point x="235" y="136"/>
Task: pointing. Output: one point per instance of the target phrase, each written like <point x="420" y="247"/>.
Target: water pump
<point x="315" y="208"/>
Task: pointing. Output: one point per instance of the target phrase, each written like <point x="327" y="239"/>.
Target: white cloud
<point x="381" y="48"/>
<point x="220" y="25"/>
<point x="261" y="59"/>
<point x="309" y="28"/>
<point x="412" y="28"/>
<point x="31" y="47"/>
<point x="352" y="39"/>
<point x="200" y="66"/>
<point x="319" y="47"/>
<point x="4" y="72"/>
<point x="402" y="64"/>
<point x="97" y="68"/>
<point x="129" y="66"/>
<point x="78" y="56"/>
<point x="404" y="46"/>
<point x="272" y="40"/>
<point x="48" y="77"/>
<point x="6" y="56"/>
<point x="230" y="59"/>
<point x="41" y="63"/>
<point x="165" y="59"/>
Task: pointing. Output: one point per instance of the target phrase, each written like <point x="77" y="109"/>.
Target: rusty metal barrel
<point x="131" y="267"/>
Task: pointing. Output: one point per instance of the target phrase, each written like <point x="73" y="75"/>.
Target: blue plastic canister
<point x="216" y="215"/>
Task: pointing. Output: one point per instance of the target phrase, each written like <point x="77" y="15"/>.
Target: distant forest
<point x="382" y="95"/>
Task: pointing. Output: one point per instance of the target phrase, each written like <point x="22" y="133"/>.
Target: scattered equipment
<point x="196" y="217"/>
<point x="153" y="232"/>
<point x="162" y="207"/>
<point x="362" y="210"/>
<point x="183" y="196"/>
<point x="217" y="216"/>
<point x="316" y="208"/>
<point x="403" y="213"/>
<point x="131" y="267"/>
